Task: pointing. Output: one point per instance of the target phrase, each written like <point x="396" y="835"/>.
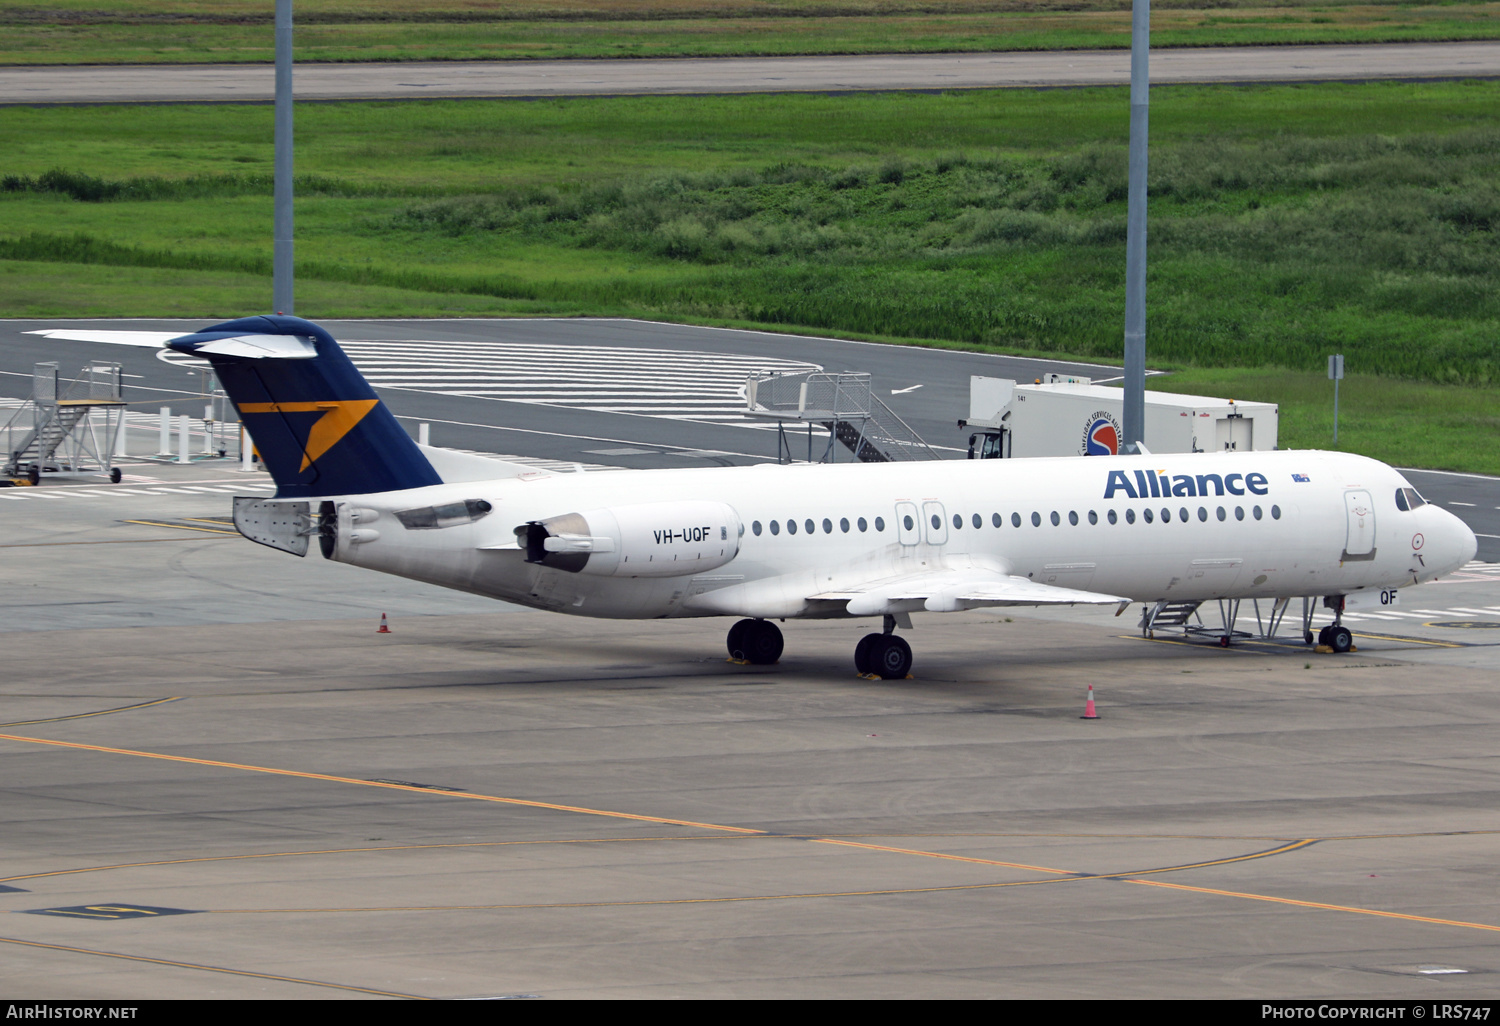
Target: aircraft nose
<point x="1468" y="544"/>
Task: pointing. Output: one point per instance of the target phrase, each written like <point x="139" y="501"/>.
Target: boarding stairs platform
<point x="841" y="403"/>
<point x="66" y="429"/>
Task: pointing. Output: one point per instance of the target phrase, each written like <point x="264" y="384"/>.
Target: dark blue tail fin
<point x="318" y="425"/>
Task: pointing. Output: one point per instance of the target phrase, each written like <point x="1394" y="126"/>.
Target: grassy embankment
<point x="196" y="31"/>
<point x="1287" y="222"/>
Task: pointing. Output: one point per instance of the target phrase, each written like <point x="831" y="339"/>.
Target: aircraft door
<point x="908" y="530"/>
<point x="934" y="523"/>
<point x="1360" y="542"/>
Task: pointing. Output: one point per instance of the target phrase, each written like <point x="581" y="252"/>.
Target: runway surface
<point x="242" y="83"/>
<point x="218" y="780"/>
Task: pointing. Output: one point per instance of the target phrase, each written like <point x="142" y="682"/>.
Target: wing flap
<point x="946" y="591"/>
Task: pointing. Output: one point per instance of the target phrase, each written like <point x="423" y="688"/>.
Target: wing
<point x="946" y="591"/>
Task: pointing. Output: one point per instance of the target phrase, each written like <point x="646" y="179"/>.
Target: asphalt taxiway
<point x="218" y="780"/>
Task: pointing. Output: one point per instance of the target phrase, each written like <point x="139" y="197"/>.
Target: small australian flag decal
<point x="1301" y="478"/>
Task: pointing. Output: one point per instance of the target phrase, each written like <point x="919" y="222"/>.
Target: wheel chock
<point x="1323" y="649"/>
<point x="738" y="662"/>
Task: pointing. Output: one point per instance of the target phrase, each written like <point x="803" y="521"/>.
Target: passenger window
<point x="756" y="528"/>
<point x="1221" y="512"/>
<point x="1055" y="518"/>
<point x="1036" y="519"/>
<point x="1182" y="514"/>
<point x="1147" y="514"/>
<point x="844" y="524"/>
<point x="791" y="527"/>
<point x="995" y="519"/>
<point x="861" y="523"/>
<point x="827" y="526"/>
<point x="1112" y="518"/>
<point x="1202" y="514"/>
<point x="1275" y="512"/>
<point x="958" y="521"/>
<point x="880" y="523"/>
<point x="978" y="523"/>
<point x="908" y="521"/>
<point x="1015" y="520"/>
<point x="1093" y="517"/>
<point x="1257" y="513"/>
<point x="775" y="527"/>
<point x="1073" y="517"/>
<point x="937" y="522"/>
<point x="1166" y="515"/>
<point x="1130" y="516"/>
<point x="811" y="527"/>
<point x="1239" y="512"/>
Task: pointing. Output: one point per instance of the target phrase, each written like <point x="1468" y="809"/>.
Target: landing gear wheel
<point x="114" y="475"/>
<point x="34" y="474"/>
<point x="1307" y="637"/>
<point x="1323" y="635"/>
<point x="1224" y="641"/>
<point x="864" y="653"/>
<point x="1340" y="639"/>
<point x="736" y="639"/>
<point x="891" y="658"/>
<point x="756" y="641"/>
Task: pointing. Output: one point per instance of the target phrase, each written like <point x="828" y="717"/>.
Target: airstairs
<point x="842" y="404"/>
<point x="66" y="430"/>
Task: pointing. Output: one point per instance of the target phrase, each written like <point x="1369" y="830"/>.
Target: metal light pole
<point x="281" y="259"/>
<point x="1336" y="374"/>
<point x="1134" y="426"/>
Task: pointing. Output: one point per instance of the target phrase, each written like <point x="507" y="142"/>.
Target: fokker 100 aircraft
<point x="771" y="542"/>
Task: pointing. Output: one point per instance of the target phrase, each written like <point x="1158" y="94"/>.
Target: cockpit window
<point x="450" y="514"/>
<point x="1408" y="499"/>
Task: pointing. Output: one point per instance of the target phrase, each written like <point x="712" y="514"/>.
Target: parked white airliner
<point x="773" y="542"/>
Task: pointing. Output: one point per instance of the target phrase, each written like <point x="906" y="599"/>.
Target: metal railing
<point x="845" y="405"/>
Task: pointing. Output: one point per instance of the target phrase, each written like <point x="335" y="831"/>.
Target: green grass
<point x="1287" y="222"/>
<point x="195" y="31"/>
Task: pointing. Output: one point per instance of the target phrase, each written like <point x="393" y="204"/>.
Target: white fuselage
<point x="1288" y="523"/>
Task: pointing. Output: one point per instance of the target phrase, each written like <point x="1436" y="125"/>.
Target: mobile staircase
<point x="66" y="431"/>
<point x="842" y="404"/>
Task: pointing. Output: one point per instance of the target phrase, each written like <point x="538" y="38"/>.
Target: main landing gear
<point x="755" y="641"/>
<point x="884" y="655"/>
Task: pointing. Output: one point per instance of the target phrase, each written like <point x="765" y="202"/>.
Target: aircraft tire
<point x="863" y="661"/>
<point x="1323" y="635"/>
<point x="1340" y="639"/>
<point x="736" y="639"/>
<point x="891" y="659"/>
<point x="763" y="642"/>
<point x="1307" y="637"/>
<point x="114" y="475"/>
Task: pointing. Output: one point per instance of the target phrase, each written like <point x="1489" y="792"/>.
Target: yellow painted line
<point x="330" y="778"/>
<point x="209" y="968"/>
<point x="942" y="855"/>
<point x="177" y="527"/>
<point x="1320" y="905"/>
<point x="1413" y="641"/>
<point x="100" y="712"/>
<point x="109" y="541"/>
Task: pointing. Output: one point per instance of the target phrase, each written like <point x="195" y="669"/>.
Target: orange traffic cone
<point x="1088" y="707"/>
<point x="386" y="630"/>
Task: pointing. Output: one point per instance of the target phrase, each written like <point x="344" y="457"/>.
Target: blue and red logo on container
<point x="1101" y="436"/>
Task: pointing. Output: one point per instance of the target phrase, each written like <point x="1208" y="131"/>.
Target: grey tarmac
<point x="218" y="780"/>
<point x="250" y="83"/>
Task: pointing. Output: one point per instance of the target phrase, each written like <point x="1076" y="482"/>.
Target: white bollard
<point x="423" y="434"/>
<point x="247" y="463"/>
<point x="184" y="425"/>
<point x="166" y="432"/>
